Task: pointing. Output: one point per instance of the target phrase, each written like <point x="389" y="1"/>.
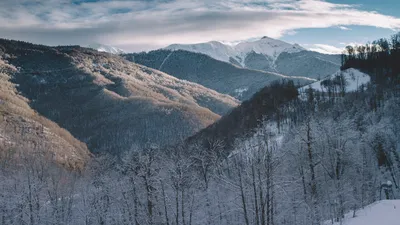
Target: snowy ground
<point x="385" y="212"/>
<point x="354" y="79"/>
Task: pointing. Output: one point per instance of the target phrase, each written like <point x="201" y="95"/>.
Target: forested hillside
<point x="107" y="102"/>
<point x="24" y="132"/>
<point x="379" y="58"/>
<point x="220" y="76"/>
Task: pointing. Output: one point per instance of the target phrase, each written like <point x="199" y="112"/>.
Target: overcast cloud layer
<point x="148" y="24"/>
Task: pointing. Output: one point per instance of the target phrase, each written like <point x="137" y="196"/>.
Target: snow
<point x="240" y="91"/>
<point x="214" y="49"/>
<point x="386" y="212"/>
<point x="223" y="52"/>
<point x="354" y="79"/>
<point x="106" y="48"/>
<point x="267" y="46"/>
<point x="166" y="58"/>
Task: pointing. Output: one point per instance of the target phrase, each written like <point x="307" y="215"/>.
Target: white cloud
<point x="148" y="24"/>
<point x="344" y="28"/>
<point x="323" y="48"/>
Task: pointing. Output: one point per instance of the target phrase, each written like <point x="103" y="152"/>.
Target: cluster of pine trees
<point x="379" y="59"/>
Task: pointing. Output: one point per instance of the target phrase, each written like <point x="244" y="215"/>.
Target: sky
<point x="142" y="25"/>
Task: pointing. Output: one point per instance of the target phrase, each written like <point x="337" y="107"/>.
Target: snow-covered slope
<point x="268" y="55"/>
<point x="266" y="46"/>
<point x="214" y="49"/>
<point x="353" y="80"/>
<point x="106" y="48"/>
<point x="385" y="212"/>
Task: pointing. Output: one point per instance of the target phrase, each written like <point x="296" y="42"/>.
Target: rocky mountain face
<point x="223" y="77"/>
<point x="109" y="103"/>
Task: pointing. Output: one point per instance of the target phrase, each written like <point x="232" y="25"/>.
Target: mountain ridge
<point x="106" y="48"/>
<point x="220" y="76"/>
<point x="269" y="47"/>
<point x="108" y="102"/>
<point x="269" y="55"/>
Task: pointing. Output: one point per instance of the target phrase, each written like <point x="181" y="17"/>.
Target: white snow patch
<point x="240" y="91"/>
<point x="266" y="46"/>
<point x="386" y="212"/>
<point x="354" y="79"/>
<point x="106" y="48"/>
<point x="214" y="49"/>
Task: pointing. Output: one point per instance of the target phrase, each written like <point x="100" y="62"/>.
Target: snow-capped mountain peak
<point x="269" y="47"/>
<point x="214" y="49"/>
<point x="106" y="48"/>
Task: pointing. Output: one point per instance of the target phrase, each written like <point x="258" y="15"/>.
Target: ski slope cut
<point x="386" y="212"/>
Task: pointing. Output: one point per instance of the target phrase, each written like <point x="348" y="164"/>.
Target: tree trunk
<point x="246" y="218"/>
<point x="255" y="194"/>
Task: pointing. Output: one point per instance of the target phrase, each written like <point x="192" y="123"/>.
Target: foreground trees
<point x="306" y="166"/>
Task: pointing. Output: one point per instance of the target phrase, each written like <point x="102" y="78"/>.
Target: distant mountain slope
<point x="110" y="103"/>
<point x="309" y="64"/>
<point x="106" y="48"/>
<point x="25" y="134"/>
<point x="352" y="80"/>
<point x="214" y="49"/>
<point x="266" y="46"/>
<point x="269" y="55"/>
<point x="223" y="77"/>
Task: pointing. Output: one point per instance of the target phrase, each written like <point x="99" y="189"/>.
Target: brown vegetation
<point x="24" y="132"/>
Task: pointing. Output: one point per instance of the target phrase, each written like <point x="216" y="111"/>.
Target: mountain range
<point x="107" y="102"/>
<point x="269" y="55"/>
<point x="237" y="54"/>
<point x="223" y="77"/>
<point x="241" y="70"/>
<point x="112" y="104"/>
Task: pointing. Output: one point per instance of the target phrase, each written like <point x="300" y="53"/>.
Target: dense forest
<point x="380" y="59"/>
<point x="309" y="161"/>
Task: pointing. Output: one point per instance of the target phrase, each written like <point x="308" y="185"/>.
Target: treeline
<point x="380" y="59"/>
